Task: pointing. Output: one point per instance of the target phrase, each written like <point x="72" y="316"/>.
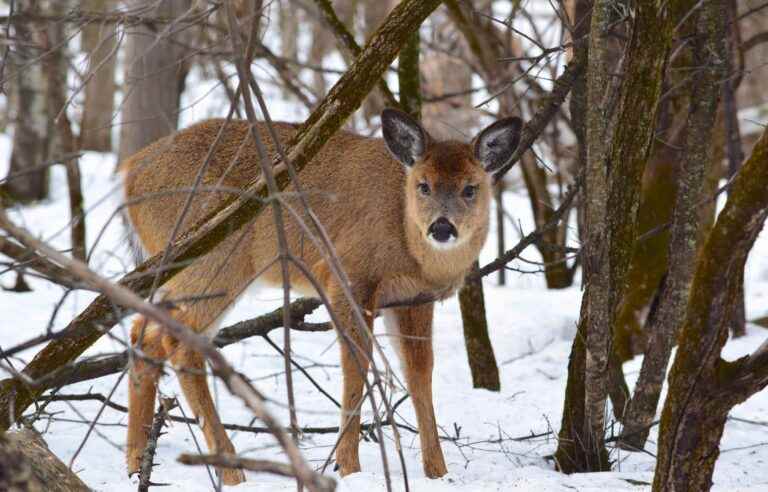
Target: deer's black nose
<point x="442" y="230"/>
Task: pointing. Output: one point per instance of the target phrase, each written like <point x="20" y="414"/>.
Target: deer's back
<point x="353" y="185"/>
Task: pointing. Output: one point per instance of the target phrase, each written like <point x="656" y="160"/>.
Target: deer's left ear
<point x="495" y="145"/>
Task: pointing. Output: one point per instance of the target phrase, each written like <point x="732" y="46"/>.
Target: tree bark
<point x="596" y="303"/>
<point x="708" y="51"/>
<point x="27" y="465"/>
<point x="482" y="361"/>
<point x="28" y="172"/>
<point x="734" y="152"/>
<point x="155" y="70"/>
<point x="571" y="455"/>
<point x="409" y="77"/>
<point x="702" y="386"/>
<point x="343" y="99"/>
<point x="618" y="140"/>
<point x="99" y="41"/>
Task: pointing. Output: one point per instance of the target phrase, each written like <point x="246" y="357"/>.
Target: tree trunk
<point x="708" y="50"/>
<point x="498" y="194"/>
<point x="99" y="41"/>
<point x="409" y="77"/>
<point x="596" y="303"/>
<point x="734" y="150"/>
<point x="618" y="141"/>
<point x="155" y="71"/>
<point x="482" y="362"/>
<point x="27" y="465"/>
<point x="373" y="14"/>
<point x="28" y="172"/>
<point x="63" y="141"/>
<point x="573" y="454"/>
<point x="739" y="316"/>
<point x="702" y="386"/>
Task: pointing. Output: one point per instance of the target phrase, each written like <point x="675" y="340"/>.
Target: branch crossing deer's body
<point x="400" y="229"/>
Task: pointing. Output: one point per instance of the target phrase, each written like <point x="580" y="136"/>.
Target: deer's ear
<point x="406" y="139"/>
<point x="495" y="145"/>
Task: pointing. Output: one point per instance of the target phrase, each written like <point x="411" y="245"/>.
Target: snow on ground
<point x="531" y="329"/>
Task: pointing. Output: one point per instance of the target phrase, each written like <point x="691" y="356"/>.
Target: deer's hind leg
<point x="142" y="388"/>
<point x="190" y="369"/>
<point x="204" y="291"/>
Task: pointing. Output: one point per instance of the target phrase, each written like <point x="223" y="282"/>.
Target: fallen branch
<point x="261" y="466"/>
<point x="103" y="366"/>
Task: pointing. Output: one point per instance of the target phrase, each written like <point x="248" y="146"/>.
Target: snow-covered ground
<point x="531" y="329"/>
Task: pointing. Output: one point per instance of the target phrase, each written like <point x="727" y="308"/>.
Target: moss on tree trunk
<point x="618" y="140"/>
<point x="708" y="48"/>
<point x="703" y="387"/>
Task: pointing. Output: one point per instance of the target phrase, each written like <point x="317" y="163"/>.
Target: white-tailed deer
<point x="402" y="230"/>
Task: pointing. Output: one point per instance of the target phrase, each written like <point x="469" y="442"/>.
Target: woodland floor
<point x="530" y="326"/>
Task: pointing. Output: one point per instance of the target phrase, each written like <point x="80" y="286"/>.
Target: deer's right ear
<point x="405" y="138"/>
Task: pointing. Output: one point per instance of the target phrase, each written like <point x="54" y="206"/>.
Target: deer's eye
<point x="423" y="189"/>
<point x="469" y="191"/>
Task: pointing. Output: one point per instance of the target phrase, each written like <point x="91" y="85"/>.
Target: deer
<point x="407" y="215"/>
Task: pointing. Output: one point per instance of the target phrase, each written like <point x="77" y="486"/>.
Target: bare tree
<point x="703" y="387"/>
<point x="156" y="65"/>
<point x="28" y="173"/>
<point x="100" y="42"/>
<point x="618" y="140"/>
<point x="709" y="48"/>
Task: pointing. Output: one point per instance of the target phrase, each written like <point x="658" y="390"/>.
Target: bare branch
<point x="148" y="458"/>
<point x="343" y="99"/>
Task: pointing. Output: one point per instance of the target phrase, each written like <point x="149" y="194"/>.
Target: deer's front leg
<point x="412" y="329"/>
<point x="355" y="359"/>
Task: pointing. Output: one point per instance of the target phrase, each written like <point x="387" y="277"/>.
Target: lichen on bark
<point x="618" y="140"/>
<point x="703" y="387"/>
<point x="708" y="51"/>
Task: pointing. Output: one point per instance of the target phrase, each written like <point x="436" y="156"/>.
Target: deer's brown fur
<point x="378" y="218"/>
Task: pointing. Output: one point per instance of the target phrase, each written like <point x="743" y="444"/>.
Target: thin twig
<point x="148" y="457"/>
